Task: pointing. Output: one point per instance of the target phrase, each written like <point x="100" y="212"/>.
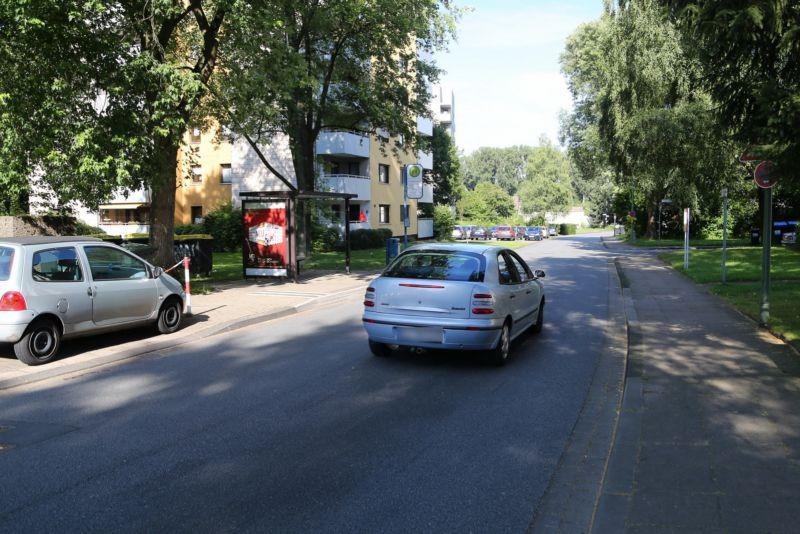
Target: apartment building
<point x="214" y="169"/>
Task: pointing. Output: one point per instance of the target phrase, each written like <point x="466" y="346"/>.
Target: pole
<point x="686" y="239"/>
<point x="187" y="306"/>
<point x="347" y="236"/>
<point x="660" y="203"/>
<point x="724" y="234"/>
<point x="405" y="208"/>
<point x="766" y="244"/>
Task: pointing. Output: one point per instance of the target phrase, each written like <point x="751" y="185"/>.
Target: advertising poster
<point x="266" y="248"/>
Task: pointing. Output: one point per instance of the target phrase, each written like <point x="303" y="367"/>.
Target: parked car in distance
<point x="493" y="232"/>
<point x="54" y="288"/>
<point x="519" y="232"/>
<point x="505" y="232"/>
<point x="545" y="233"/>
<point x="479" y="232"/>
<point x="458" y="232"/>
<point x="454" y="296"/>
<point x="533" y="233"/>
<point x="551" y="231"/>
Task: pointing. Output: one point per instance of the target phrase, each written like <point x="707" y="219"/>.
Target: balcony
<point x="427" y="194"/>
<point x="425" y="159"/>
<point x="343" y="144"/>
<point x="424" y="126"/>
<point x="347" y="183"/>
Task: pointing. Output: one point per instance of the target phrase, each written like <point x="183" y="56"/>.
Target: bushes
<point x="189" y="229"/>
<point x="225" y="225"/>
<point x="372" y="238"/>
<point x="567" y="229"/>
<point x="443" y="223"/>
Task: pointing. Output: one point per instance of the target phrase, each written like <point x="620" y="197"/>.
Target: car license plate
<point x="421" y="333"/>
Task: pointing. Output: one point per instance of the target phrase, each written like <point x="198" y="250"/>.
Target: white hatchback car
<point x="454" y="296"/>
<point x="53" y="288"/>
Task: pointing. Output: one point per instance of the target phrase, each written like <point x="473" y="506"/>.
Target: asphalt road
<point x="292" y="426"/>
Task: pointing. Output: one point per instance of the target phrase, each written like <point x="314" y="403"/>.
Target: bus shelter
<point x="274" y="236"/>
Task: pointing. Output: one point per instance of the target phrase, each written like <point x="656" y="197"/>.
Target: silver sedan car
<point x="59" y="287"/>
<point x="454" y="296"/>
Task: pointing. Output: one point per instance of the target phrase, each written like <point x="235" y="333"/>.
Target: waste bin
<point x="755" y="236"/>
<point x="392" y="249"/>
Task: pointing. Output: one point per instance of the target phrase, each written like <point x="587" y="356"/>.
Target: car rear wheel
<point x="381" y="350"/>
<point x="39" y="344"/>
<point x="499" y="354"/>
<point x="169" y="316"/>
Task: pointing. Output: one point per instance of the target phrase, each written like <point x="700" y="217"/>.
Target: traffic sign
<point x="413" y="175"/>
<point x="751" y="153"/>
<point x="764" y="175"/>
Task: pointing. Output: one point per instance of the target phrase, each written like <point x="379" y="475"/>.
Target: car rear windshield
<point x="438" y="265"/>
<point x="6" y="258"/>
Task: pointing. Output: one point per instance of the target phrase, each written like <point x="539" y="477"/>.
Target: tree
<point x="105" y="99"/>
<point x="504" y="167"/>
<point x="548" y="186"/>
<point x="446" y="167"/>
<point x="486" y="204"/>
<point x="298" y="67"/>
<point x="749" y="50"/>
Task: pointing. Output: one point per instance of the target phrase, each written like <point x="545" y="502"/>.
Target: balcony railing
<point x="424" y="126"/>
<point x="344" y="144"/>
<point x="427" y="194"/>
<point x="347" y="183"/>
<point x="425" y="159"/>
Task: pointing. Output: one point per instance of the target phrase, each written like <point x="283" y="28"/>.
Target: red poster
<point x="266" y="248"/>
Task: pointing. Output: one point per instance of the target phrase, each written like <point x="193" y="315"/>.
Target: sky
<point x="504" y="69"/>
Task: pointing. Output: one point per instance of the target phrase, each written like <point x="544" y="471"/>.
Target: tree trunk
<point x="652" y="212"/>
<point x="162" y="205"/>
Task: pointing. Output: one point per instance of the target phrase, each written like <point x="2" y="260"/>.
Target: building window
<point x="355" y="168"/>
<point x="195" y="136"/>
<point x="383" y="211"/>
<point x="197" y="214"/>
<point x="383" y="174"/>
<point x="197" y="174"/>
<point x="226" y="178"/>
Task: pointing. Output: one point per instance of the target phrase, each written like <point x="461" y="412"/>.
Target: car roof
<point x="45" y="239"/>
<point x="462" y="247"/>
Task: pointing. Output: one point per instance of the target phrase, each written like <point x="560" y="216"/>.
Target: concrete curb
<point x="44" y="373"/>
<point x="571" y="499"/>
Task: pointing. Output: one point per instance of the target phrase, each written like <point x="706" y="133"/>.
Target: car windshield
<point x="438" y="265"/>
<point x="6" y="257"/>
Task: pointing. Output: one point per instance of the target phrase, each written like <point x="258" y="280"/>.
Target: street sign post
<point x="724" y="233"/>
<point x="686" y="239"/>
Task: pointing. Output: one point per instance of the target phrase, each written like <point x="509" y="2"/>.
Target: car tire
<point x="39" y="344"/>
<point x="537" y="326"/>
<point x="499" y="354"/>
<point x="381" y="350"/>
<point x="169" y="316"/>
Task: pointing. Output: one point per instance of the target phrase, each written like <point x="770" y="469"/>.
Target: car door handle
<point x="89" y="291"/>
<point x="512" y="296"/>
<point x="528" y="292"/>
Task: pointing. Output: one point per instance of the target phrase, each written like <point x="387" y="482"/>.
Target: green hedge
<point x="567" y="229"/>
<point x="369" y="238"/>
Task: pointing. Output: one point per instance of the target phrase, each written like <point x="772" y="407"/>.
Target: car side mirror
<point x="538" y="273"/>
<point x="157" y="271"/>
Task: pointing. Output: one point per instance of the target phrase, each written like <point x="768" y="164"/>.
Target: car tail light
<point x="482" y="304"/>
<point x="369" y="298"/>
<point x="13" y="301"/>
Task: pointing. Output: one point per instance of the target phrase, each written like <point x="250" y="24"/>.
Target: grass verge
<point x="743" y="289"/>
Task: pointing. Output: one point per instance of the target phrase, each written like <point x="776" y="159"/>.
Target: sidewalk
<point x="230" y="306"/>
<point x="709" y="434"/>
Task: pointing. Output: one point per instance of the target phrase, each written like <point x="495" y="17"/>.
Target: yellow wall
<point x="391" y="193"/>
<point x="210" y="154"/>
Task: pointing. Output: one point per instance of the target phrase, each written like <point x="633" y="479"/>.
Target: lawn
<point x="703" y="243"/>
<point x="743" y="289"/>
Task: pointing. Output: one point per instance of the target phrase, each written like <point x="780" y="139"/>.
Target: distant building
<point x="443" y="108"/>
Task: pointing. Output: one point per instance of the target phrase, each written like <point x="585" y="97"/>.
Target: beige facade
<point x="387" y="197"/>
<point x="204" y="178"/>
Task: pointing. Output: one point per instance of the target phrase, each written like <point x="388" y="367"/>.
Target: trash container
<point x="392" y="249"/>
<point x="755" y="236"/>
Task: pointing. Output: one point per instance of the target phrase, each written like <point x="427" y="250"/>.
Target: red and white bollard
<point x="187" y="306"/>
